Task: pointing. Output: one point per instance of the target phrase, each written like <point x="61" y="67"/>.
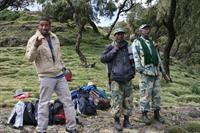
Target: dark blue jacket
<point x="119" y="64"/>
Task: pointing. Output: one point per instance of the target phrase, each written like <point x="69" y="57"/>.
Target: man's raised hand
<point x="38" y="42"/>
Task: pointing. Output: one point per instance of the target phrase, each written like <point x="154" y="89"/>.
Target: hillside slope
<point x="180" y="99"/>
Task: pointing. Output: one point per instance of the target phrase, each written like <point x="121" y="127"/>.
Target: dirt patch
<point x="103" y="121"/>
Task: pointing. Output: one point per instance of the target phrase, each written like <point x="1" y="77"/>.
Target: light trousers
<point x="60" y="86"/>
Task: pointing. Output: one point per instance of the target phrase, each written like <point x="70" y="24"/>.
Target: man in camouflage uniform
<point x="148" y="64"/>
<point x="120" y="71"/>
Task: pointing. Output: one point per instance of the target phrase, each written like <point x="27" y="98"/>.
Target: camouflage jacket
<point x="138" y="56"/>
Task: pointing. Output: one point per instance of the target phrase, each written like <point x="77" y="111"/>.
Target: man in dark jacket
<point x="120" y="71"/>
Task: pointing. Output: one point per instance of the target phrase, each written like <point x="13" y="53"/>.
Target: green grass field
<point x="17" y="73"/>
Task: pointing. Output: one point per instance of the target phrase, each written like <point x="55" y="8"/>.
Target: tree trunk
<point x="177" y="49"/>
<point x="95" y="29"/>
<point x="77" y="47"/>
<point x="121" y="9"/>
<point x="169" y="24"/>
<point x="113" y="24"/>
<point x="167" y="49"/>
<point x="80" y="26"/>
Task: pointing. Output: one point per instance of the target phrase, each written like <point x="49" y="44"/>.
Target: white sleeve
<point x="136" y="55"/>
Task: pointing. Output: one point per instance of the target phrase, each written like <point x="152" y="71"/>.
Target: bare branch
<point x="121" y="10"/>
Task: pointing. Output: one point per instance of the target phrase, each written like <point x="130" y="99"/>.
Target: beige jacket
<point x="42" y="56"/>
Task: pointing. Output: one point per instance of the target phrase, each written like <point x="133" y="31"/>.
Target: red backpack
<point x="58" y="112"/>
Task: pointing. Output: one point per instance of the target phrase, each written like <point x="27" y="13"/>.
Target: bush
<point x="189" y="98"/>
<point x="193" y="126"/>
<point x="178" y="91"/>
<point x="176" y="129"/>
<point x="8" y="15"/>
<point x="195" y="89"/>
<point x="26" y="17"/>
<point x="193" y="69"/>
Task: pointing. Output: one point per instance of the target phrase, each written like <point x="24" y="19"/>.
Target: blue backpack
<point x="83" y="102"/>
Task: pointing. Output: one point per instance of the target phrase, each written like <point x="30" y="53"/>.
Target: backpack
<point x="101" y="103"/>
<point x="88" y="88"/>
<point x="29" y="115"/>
<point x="50" y="112"/>
<point x="84" y="104"/>
<point x="68" y="74"/>
<point x="58" y="112"/>
<point x="15" y="119"/>
<point x="22" y="114"/>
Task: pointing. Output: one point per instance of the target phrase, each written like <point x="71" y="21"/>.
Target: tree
<point x="187" y="32"/>
<point x="82" y="12"/>
<point x="169" y="24"/>
<point x="60" y="10"/>
<point x="80" y="23"/>
<point x="123" y="8"/>
<point x="155" y="16"/>
<point x="16" y="4"/>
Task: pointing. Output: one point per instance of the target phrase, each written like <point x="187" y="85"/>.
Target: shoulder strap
<point x="131" y="59"/>
<point x="138" y="48"/>
<point x="51" y="48"/>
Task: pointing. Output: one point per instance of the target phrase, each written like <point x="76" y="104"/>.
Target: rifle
<point x="165" y="76"/>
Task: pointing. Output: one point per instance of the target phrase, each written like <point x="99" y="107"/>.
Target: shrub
<point x="193" y="126"/>
<point x="8" y="15"/>
<point x="176" y="129"/>
<point x="26" y="17"/>
<point x="195" y="89"/>
<point x="189" y="98"/>
<point x="178" y="91"/>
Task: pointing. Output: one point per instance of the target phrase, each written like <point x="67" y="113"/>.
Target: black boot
<point x="145" y="118"/>
<point x="117" y="124"/>
<point x="126" y="123"/>
<point x="158" y="117"/>
<point x="71" y="131"/>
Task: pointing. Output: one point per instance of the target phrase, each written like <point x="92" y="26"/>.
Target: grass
<point x="192" y="126"/>
<point x="16" y="72"/>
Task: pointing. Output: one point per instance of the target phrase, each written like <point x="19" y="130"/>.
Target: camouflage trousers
<point x="121" y="98"/>
<point x="149" y="92"/>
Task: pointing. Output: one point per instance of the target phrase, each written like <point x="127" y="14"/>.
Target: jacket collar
<point x="122" y="43"/>
<point x="38" y="33"/>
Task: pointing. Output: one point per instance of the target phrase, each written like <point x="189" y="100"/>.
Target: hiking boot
<point x="126" y="123"/>
<point x="117" y="124"/>
<point x="145" y="118"/>
<point x="158" y="117"/>
<point x="71" y="131"/>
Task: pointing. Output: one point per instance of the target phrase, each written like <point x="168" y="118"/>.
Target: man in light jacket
<point x="148" y="64"/>
<point x="43" y="49"/>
